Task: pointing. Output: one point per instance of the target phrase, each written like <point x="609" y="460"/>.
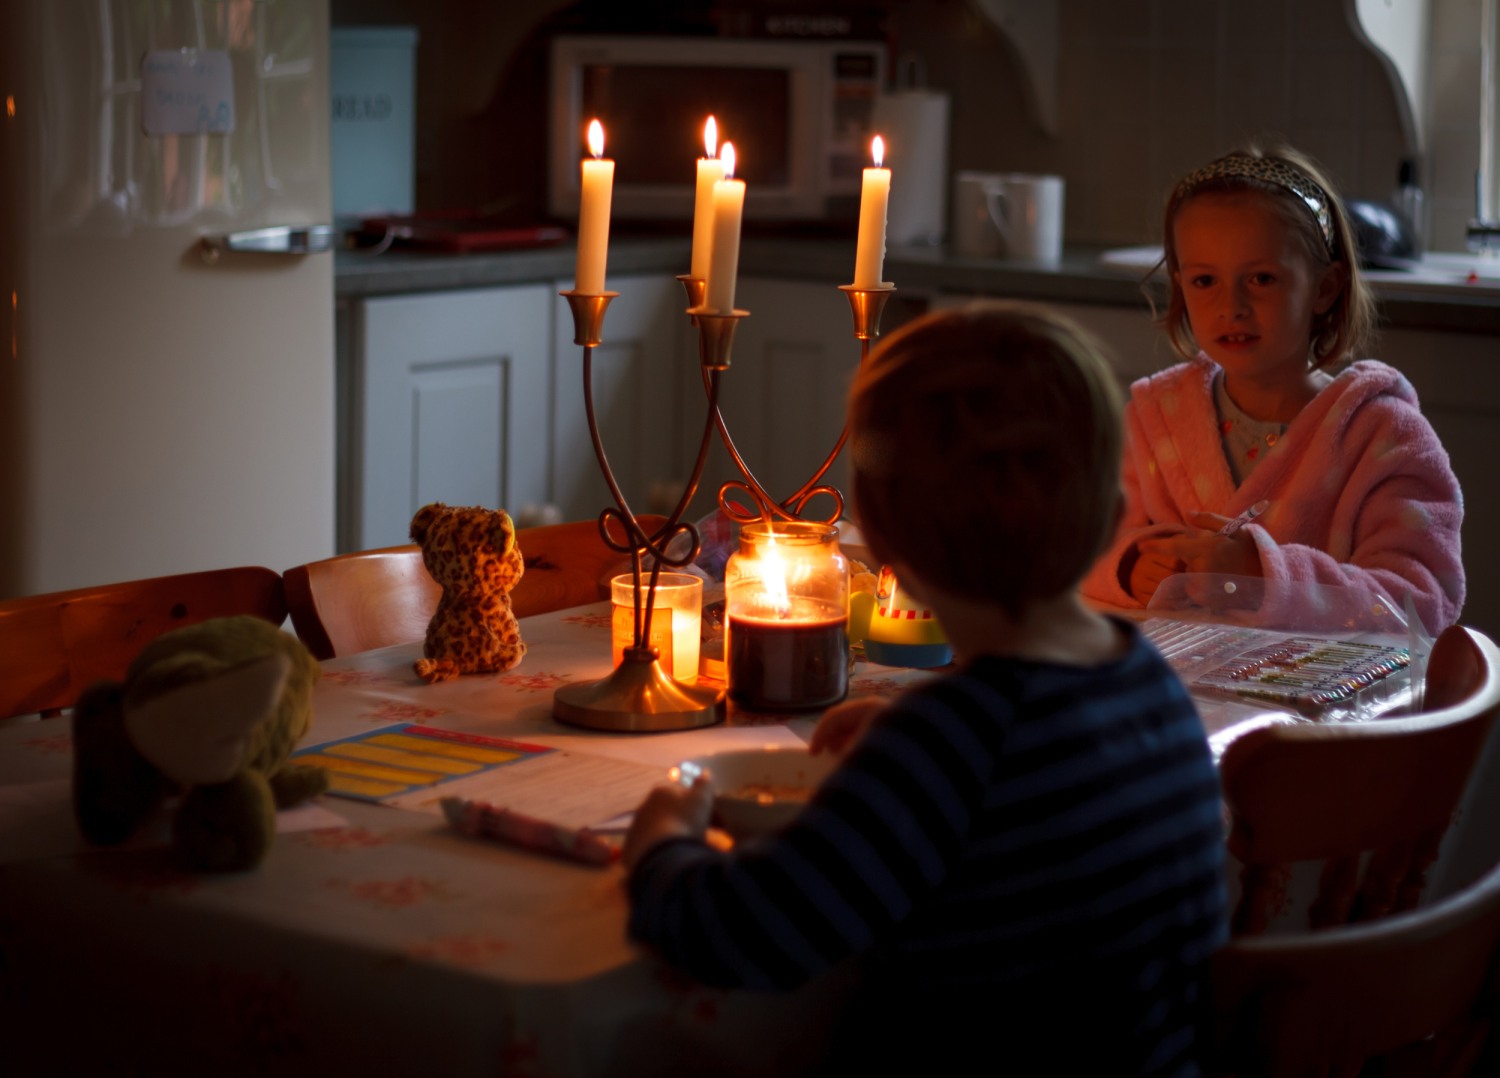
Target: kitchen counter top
<point x="1081" y="277"/>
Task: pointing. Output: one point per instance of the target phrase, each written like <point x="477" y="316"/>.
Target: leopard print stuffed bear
<point x="472" y="552"/>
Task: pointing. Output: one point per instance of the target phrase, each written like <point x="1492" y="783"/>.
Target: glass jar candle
<point x="786" y="593"/>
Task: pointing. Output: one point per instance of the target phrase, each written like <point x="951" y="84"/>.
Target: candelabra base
<point x="639" y="697"/>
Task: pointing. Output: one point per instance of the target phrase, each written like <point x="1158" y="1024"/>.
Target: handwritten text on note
<point x="187" y="92"/>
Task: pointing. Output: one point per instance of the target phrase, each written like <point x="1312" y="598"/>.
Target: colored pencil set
<point x="1307" y="673"/>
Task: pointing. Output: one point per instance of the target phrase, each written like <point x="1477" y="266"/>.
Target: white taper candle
<point x="598" y="181"/>
<point x="875" y="195"/>
<point x="724" y="258"/>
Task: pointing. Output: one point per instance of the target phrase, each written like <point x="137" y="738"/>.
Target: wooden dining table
<point x="375" y="939"/>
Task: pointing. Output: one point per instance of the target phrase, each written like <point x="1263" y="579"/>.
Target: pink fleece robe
<point x="1359" y="488"/>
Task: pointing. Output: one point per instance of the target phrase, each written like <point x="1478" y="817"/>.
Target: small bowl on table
<point x="757" y="791"/>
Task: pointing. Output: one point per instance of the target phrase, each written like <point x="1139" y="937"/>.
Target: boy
<point x="1026" y="854"/>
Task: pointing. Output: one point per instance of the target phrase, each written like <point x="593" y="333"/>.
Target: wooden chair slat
<point x="1371" y="801"/>
<point x="375" y="598"/>
<point x="53" y="646"/>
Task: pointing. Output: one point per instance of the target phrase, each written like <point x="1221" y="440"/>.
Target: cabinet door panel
<point x="456" y="444"/>
<point x="784" y="396"/>
<point x="641" y="374"/>
<point x="1457" y="381"/>
<point x="453" y="405"/>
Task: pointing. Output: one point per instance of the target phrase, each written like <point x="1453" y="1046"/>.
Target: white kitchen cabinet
<point x="1133" y="344"/>
<point x="645" y="390"/>
<point x="783" y="397"/>
<point x="1457" y="381"/>
<point x="447" y="401"/>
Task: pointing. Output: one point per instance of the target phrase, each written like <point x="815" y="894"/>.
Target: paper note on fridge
<point x="187" y="92"/>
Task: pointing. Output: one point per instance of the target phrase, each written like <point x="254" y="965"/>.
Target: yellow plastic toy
<point x="897" y="630"/>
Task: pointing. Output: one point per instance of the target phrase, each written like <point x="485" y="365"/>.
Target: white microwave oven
<point x="797" y="111"/>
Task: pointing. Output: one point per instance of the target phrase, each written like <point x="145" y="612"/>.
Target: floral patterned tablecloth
<point x="372" y="940"/>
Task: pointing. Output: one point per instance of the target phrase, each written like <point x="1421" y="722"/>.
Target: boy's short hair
<point x="1343" y="330"/>
<point x="985" y="446"/>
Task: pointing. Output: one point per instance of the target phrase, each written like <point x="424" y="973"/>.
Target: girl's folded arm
<point x="1406" y="540"/>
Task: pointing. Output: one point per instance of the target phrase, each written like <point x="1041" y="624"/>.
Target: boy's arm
<point x="779" y="910"/>
<point x="844" y="724"/>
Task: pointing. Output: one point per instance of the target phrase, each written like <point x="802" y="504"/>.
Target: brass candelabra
<point x="639" y="695"/>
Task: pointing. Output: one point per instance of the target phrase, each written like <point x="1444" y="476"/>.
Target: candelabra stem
<point x="639" y="695"/>
<point x="866" y="305"/>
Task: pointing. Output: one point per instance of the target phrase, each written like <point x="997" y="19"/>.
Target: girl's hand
<point x="1207" y="551"/>
<point x="1151" y="566"/>
<point x="1212" y="552"/>
<point x="668" y="812"/>
<point x="843" y="724"/>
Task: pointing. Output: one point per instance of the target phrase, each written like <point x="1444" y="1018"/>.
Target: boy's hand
<point x="668" y="812"/>
<point x="843" y="724"/>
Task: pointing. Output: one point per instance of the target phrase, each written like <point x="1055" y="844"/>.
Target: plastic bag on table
<point x="1320" y="651"/>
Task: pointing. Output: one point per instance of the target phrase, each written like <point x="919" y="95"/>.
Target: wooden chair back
<point x="1416" y="991"/>
<point x="54" y="646"/>
<point x="1371" y="802"/>
<point x="568" y="565"/>
<point x="361" y="601"/>
<point x="375" y="598"/>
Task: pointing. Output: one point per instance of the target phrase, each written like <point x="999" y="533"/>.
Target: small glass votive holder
<point x="676" y="620"/>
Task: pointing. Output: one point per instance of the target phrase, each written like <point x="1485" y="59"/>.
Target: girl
<point x="1269" y="416"/>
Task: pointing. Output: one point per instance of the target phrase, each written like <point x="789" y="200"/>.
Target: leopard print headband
<point x="1268" y="170"/>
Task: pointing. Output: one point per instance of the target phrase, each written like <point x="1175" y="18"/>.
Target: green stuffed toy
<point x="208" y="713"/>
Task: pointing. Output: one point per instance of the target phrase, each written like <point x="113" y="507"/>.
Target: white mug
<point x="1027" y="211"/>
<point x="974" y="234"/>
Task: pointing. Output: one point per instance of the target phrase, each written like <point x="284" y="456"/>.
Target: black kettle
<point x="1383" y="237"/>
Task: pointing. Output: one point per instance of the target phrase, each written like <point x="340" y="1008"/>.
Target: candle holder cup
<point x="786" y="629"/>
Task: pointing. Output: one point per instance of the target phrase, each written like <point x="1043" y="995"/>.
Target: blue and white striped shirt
<point x="1014" y="847"/>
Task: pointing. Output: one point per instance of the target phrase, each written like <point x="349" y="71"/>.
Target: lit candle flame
<point x="727" y="156"/>
<point x="711" y="137"/>
<point x="773" y="576"/>
<point x="596" y="138"/>
<point x="877" y="150"/>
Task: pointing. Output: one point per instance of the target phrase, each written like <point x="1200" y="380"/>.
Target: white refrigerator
<point x="167" y="379"/>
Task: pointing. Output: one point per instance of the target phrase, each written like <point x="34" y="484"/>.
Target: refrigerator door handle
<point x="276" y="240"/>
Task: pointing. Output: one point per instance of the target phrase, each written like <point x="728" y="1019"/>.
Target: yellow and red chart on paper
<point x="394" y="761"/>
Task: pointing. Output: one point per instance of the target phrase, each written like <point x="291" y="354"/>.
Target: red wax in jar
<point x="787" y="665"/>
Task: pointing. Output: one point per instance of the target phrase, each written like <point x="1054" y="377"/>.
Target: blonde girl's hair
<point x="985" y="449"/>
<point x="1310" y="207"/>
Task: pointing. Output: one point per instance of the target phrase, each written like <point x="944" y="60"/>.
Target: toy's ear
<point x="199" y="732"/>
<point x="503" y="532"/>
<point x="115" y="788"/>
<point x="422" y="523"/>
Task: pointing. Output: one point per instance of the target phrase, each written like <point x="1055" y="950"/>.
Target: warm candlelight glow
<point x="773" y="576"/>
<point x="787" y="617"/>
<point x="724" y="252"/>
<point x="676" y="621"/>
<point x="710" y="172"/>
<point x="598" y="178"/>
<point x="875" y="195"/>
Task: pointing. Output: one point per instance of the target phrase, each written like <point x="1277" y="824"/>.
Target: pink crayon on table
<point x="480" y="819"/>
